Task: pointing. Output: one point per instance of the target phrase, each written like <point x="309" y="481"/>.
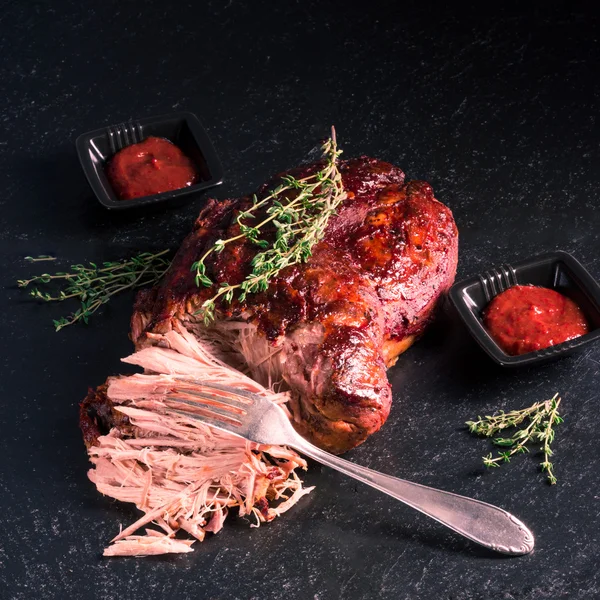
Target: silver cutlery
<point x="255" y="418"/>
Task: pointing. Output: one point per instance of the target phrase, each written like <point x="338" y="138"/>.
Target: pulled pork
<point x="184" y="475"/>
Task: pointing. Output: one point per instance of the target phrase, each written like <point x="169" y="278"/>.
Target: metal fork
<point x="259" y="420"/>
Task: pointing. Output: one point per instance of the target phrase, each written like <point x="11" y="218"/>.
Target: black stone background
<point x="496" y="106"/>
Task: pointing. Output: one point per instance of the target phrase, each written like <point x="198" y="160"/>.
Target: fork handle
<point x="480" y="522"/>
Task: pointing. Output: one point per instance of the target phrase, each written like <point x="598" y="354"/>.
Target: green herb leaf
<point x="533" y="424"/>
<point x="93" y="286"/>
<point x="298" y="210"/>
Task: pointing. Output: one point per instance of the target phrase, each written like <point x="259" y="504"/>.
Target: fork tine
<point x="213" y="396"/>
<point x="221" y="425"/>
<point x="233" y="394"/>
<point x="196" y="407"/>
<point x="213" y="400"/>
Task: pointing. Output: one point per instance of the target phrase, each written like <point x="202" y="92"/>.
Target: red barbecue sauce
<point x="150" y="167"/>
<point x="526" y="318"/>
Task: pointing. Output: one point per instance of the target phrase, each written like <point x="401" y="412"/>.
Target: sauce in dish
<point x="526" y="318"/>
<point x="151" y="167"/>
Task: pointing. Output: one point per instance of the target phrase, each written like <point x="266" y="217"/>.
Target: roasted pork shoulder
<point x="325" y="330"/>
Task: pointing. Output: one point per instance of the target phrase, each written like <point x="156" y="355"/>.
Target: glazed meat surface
<point x="329" y="328"/>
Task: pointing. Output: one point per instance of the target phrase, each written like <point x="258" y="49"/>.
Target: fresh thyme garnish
<point x="93" y="286"/>
<point x="40" y="258"/>
<point x="540" y="418"/>
<point x="299" y="222"/>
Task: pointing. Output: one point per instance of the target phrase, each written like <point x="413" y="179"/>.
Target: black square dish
<point x="96" y="148"/>
<point x="556" y="270"/>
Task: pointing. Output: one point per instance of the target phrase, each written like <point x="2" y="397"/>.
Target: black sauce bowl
<point x="96" y="148"/>
<point x="558" y="271"/>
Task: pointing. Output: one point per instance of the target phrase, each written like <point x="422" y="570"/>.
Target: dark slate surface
<point x="497" y="112"/>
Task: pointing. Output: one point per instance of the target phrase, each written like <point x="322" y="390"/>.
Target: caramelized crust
<point x="345" y="315"/>
<point x="97" y="416"/>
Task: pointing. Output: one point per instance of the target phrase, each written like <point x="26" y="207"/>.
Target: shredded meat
<point x="181" y="473"/>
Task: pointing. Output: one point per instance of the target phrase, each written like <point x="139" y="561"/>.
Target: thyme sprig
<point x="40" y="258"/>
<point x="94" y="286"/>
<point x="540" y="420"/>
<point x="299" y="222"/>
